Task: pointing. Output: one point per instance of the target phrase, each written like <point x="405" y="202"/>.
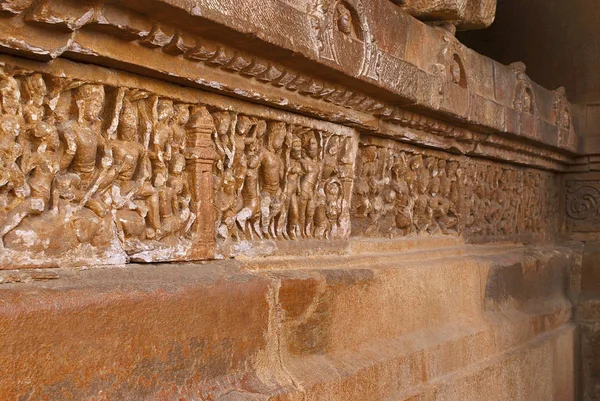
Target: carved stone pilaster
<point x="200" y="155"/>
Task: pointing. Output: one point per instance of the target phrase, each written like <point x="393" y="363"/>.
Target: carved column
<point x="200" y="155"/>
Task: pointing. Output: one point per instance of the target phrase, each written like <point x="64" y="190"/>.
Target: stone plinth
<point x="443" y="321"/>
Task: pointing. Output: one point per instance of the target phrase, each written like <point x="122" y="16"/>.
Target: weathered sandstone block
<point x="445" y="321"/>
<point x="466" y="14"/>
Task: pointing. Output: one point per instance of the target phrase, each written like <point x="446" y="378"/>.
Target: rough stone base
<point x="440" y="321"/>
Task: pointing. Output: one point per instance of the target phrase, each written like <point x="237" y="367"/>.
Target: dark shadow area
<point x="558" y="40"/>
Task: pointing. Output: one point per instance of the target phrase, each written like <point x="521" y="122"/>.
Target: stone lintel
<point x="296" y="57"/>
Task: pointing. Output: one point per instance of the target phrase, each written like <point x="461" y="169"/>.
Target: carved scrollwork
<point x="583" y="203"/>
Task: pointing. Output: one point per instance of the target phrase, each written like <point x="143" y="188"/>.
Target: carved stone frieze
<point x="99" y="167"/>
<point x="401" y="190"/>
<point x="97" y="173"/>
<point x="280" y="181"/>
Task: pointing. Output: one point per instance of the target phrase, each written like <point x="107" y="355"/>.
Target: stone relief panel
<point x="401" y="190"/>
<point x="342" y="33"/>
<point x="94" y="173"/>
<point x="583" y="205"/>
<point x="106" y="168"/>
<point x="278" y="181"/>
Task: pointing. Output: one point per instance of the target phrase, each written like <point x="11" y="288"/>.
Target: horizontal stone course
<point x="238" y="329"/>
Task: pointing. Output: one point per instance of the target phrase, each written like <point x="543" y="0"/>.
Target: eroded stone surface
<point x="229" y="330"/>
<point x="467" y="14"/>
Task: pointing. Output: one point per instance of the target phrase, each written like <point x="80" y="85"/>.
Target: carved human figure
<point x="13" y="186"/>
<point x="524" y="102"/>
<point x="422" y="215"/>
<point x="311" y="167"/>
<point x="249" y="216"/>
<point x="226" y="201"/>
<point x="135" y="191"/>
<point x="178" y="182"/>
<point x="182" y="116"/>
<point x="223" y="142"/>
<point x="333" y="206"/>
<point x="444" y="213"/>
<point x="362" y="189"/>
<point x="82" y="137"/>
<point x="241" y="138"/>
<point x="564" y="118"/>
<point x="66" y="191"/>
<point x="320" y="223"/>
<point x="288" y="223"/>
<point x="271" y="177"/>
<point x="169" y="192"/>
<point x="404" y="202"/>
<point x="11" y="142"/>
<point x="478" y="223"/>
<point x="162" y="137"/>
<point x="330" y="159"/>
<point x="435" y="208"/>
<point x="448" y="214"/>
<point x="41" y="167"/>
<point x="98" y="197"/>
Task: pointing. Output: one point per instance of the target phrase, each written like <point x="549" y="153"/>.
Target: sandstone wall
<point x="353" y="206"/>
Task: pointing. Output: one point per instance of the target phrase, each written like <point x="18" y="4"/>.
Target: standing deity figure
<point x="437" y="205"/>
<point x="243" y="126"/>
<point x="36" y="121"/>
<point x="249" y="216"/>
<point x="362" y="186"/>
<point x="178" y="181"/>
<point x="174" y="200"/>
<point x="479" y="207"/>
<point x="271" y="177"/>
<point x="311" y="167"/>
<point x="404" y="202"/>
<point x="444" y="214"/>
<point x="226" y="201"/>
<point x="333" y="206"/>
<point x="422" y="212"/>
<point x="288" y="224"/>
<point x="330" y="160"/>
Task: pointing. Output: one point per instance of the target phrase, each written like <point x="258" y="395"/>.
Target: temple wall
<point x="300" y="202"/>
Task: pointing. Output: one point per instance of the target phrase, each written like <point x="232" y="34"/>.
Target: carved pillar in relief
<point x="200" y="155"/>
